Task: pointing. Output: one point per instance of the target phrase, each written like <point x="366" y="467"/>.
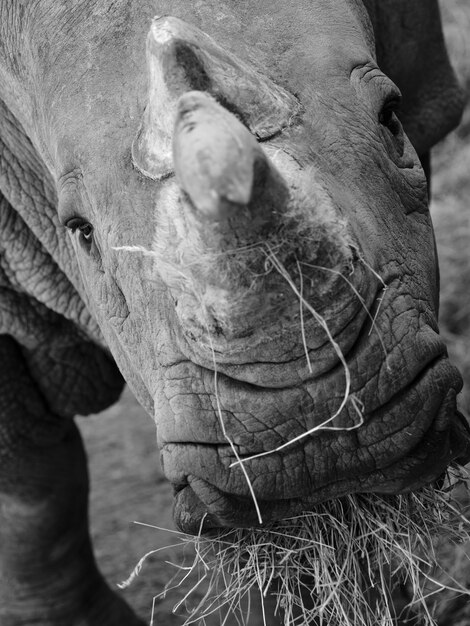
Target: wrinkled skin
<point x="253" y="170"/>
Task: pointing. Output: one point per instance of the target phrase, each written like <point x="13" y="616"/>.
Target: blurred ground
<point x="451" y="204"/>
<point x="127" y="483"/>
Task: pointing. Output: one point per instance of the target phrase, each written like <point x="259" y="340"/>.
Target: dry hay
<point x="340" y="565"/>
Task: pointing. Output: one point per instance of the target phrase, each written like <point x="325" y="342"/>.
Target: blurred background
<point x="450" y="206"/>
<point x="127" y="482"/>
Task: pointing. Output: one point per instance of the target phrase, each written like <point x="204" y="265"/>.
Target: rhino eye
<point x="388" y="116"/>
<point x="393" y="131"/>
<point x="85" y="230"/>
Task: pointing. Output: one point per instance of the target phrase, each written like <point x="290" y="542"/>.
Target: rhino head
<point x="251" y="227"/>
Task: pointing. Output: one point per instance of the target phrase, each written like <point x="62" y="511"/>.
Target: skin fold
<point x="224" y="205"/>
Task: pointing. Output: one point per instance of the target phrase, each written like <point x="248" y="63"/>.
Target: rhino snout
<point x="231" y="242"/>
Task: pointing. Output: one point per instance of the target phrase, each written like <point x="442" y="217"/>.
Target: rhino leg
<point x="48" y="575"/>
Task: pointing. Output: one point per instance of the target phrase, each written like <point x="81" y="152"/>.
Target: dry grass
<point x="344" y="564"/>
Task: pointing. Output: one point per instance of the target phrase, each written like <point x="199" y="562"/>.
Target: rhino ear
<point x="411" y="51"/>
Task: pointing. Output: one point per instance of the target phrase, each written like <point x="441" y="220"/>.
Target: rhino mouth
<point x="417" y="455"/>
<point x="200" y="506"/>
<point x="410" y="433"/>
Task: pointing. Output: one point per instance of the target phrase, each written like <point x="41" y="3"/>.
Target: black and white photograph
<point x="235" y="312"/>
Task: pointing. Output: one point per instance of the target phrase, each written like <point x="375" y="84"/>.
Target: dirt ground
<point x="127" y="482"/>
<point x="128" y="485"/>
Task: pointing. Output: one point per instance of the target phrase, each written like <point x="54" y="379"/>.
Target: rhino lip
<point x="190" y="515"/>
<point x="202" y="505"/>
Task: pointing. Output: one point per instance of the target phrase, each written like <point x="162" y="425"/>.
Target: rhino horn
<point x="181" y="58"/>
<point x="210" y="241"/>
<point x="223" y="169"/>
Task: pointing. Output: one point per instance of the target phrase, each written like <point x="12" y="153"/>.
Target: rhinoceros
<point x="223" y="204"/>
